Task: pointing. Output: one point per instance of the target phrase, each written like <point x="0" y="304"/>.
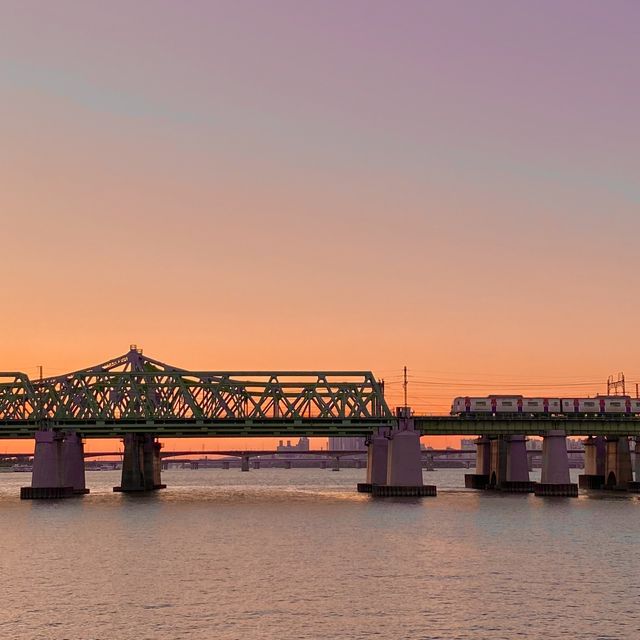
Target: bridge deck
<point x="315" y="427"/>
<point x="512" y="425"/>
<point x="221" y="428"/>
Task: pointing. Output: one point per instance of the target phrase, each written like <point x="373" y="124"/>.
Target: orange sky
<point x="280" y="194"/>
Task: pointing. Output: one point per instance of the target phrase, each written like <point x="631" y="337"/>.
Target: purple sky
<point x="266" y="171"/>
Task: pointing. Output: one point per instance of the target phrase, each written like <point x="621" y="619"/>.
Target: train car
<point x="590" y="405"/>
<point x="506" y="404"/>
<point x="486" y="405"/>
<point x="537" y="406"/>
<point x="460" y="405"/>
<point x="480" y="405"/>
<point x="569" y="406"/>
<point x="615" y="404"/>
<point x="600" y="405"/>
<point x="501" y="405"/>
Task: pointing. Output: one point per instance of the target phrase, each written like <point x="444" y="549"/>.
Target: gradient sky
<point x="449" y="185"/>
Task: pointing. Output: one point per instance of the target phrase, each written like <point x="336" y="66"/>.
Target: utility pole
<point x="405" y="385"/>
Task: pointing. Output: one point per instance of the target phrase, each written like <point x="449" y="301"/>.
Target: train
<point x="540" y="406"/>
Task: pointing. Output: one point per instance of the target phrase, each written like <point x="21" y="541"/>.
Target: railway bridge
<point x="140" y="399"/>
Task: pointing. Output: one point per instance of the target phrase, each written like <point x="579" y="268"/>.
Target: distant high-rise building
<point x="301" y="445"/>
<point x="350" y="443"/>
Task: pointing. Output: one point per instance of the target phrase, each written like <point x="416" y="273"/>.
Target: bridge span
<point x="140" y="399"/>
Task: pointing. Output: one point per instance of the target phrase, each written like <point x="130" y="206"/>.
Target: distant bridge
<point x="328" y="453"/>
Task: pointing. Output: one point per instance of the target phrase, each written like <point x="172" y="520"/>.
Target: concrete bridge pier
<point x="429" y="464"/>
<point x="480" y="479"/>
<point x="594" y="463"/>
<point x="377" y="454"/>
<point x="555" y="467"/>
<point x="73" y="461"/>
<point x="497" y="462"/>
<point x="256" y="464"/>
<point x="141" y="464"/>
<point x="404" y="463"/>
<point x="58" y="466"/>
<point x="517" y="467"/>
<point x="635" y="485"/>
<point x="617" y="470"/>
<point x="244" y="465"/>
<point x="47" y="477"/>
<point x="336" y="464"/>
<point x="401" y="473"/>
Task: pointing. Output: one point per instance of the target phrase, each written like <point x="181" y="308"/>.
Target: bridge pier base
<point x="555" y="467"/>
<point x="141" y="464"/>
<point x="480" y="479"/>
<point x="58" y="467"/>
<point x="617" y="470"/>
<point x="244" y="465"/>
<point x="594" y="463"/>
<point x="404" y="462"/>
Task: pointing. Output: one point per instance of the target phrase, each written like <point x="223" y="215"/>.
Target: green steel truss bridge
<point x="135" y="393"/>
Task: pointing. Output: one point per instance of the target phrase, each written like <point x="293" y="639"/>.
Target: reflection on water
<point x="277" y="553"/>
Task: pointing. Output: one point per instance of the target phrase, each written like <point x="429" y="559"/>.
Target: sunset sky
<point x="451" y="186"/>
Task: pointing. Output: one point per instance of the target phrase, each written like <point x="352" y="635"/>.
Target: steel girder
<point x="508" y="425"/>
<point x="134" y="389"/>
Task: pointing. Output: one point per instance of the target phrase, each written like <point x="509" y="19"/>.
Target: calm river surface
<point x="297" y="553"/>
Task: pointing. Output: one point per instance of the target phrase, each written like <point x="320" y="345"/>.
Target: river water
<point x="297" y="553"/>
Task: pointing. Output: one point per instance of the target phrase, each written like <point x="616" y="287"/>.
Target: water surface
<point x="297" y="553"/>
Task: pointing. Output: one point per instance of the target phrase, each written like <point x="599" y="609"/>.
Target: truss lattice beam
<point x="134" y="388"/>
